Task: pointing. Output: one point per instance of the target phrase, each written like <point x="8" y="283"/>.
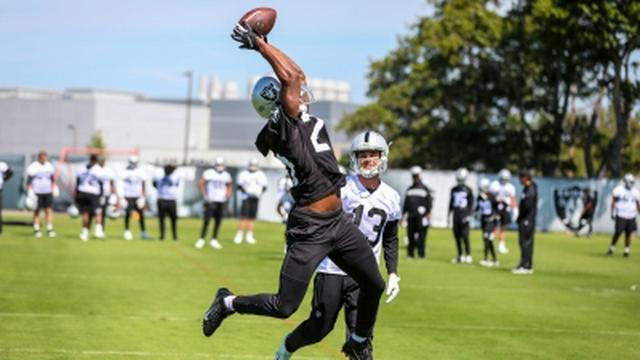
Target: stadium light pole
<point x="74" y="134"/>
<point x="189" y="75"/>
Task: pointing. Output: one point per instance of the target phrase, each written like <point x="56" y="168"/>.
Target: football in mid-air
<point x="260" y="19"/>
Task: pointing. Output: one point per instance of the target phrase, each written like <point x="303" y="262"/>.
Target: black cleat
<point x="626" y="254"/>
<point x="216" y="313"/>
<point x="609" y="252"/>
<point x="358" y="351"/>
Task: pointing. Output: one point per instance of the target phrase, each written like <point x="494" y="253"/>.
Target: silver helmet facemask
<point x="369" y="141"/>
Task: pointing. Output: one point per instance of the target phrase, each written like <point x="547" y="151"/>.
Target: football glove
<point x="55" y="191"/>
<point x="141" y="202"/>
<point x="514" y="214"/>
<point x="393" y="287"/>
<point x="244" y="34"/>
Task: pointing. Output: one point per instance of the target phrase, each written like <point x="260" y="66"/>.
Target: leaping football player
<point x="317" y="226"/>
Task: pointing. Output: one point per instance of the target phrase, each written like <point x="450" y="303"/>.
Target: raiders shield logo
<point x="574" y="205"/>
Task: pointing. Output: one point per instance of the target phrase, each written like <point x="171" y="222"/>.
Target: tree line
<point x="548" y="85"/>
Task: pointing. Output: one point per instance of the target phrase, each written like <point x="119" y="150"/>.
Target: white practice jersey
<point x="3" y="168"/>
<point x="41" y="177"/>
<point x="625" y="205"/>
<point x="371" y="212"/>
<point x="133" y="180"/>
<point x="504" y="193"/>
<point x="89" y="179"/>
<point x="107" y="175"/>
<point x="215" y="185"/>
<point x="252" y="182"/>
<point x="168" y="186"/>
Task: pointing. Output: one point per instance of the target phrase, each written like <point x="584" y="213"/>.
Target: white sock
<point x="239" y="233"/>
<point x="249" y="234"/>
<point x="358" y="339"/>
<point x="98" y="228"/>
<point x="228" y="302"/>
<point x="85" y="230"/>
<point x="626" y="249"/>
<point x="49" y="227"/>
<point x="612" y="247"/>
<point x="36" y="227"/>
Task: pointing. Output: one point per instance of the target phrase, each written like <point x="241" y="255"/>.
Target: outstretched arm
<point x="287" y="71"/>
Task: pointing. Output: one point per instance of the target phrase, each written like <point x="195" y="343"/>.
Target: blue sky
<point x="146" y="46"/>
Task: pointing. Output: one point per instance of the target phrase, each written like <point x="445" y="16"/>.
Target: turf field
<point x="64" y="299"/>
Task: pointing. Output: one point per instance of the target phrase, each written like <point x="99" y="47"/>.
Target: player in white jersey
<point x="625" y="206"/>
<point x="507" y="210"/>
<point x="89" y="190"/>
<point x="5" y="174"/>
<point x="215" y="187"/>
<point x="41" y="187"/>
<point x="134" y="193"/>
<point x="167" y="186"/>
<point x="376" y="211"/>
<point x="285" y="199"/>
<point x="109" y="202"/>
<point x="252" y="183"/>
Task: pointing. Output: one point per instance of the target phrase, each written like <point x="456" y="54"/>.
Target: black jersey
<point x="418" y="201"/>
<point x="304" y="147"/>
<point x="487" y="205"/>
<point x="529" y="204"/>
<point x="461" y="202"/>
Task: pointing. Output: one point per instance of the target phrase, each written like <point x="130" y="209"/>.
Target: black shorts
<point x="132" y="204"/>
<point x="249" y="208"/>
<point x="504" y="217"/>
<point x="45" y="201"/>
<point x="88" y="203"/>
<point x="214" y="209"/>
<point x="626" y="225"/>
<point x="488" y="224"/>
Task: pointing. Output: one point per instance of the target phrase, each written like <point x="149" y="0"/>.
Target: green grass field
<point x="64" y="299"/>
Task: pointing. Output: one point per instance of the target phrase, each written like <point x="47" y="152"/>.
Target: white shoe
<point x="468" y="259"/>
<point x="522" y="271"/>
<point x="502" y="248"/>
<point x="251" y="240"/>
<point x="457" y="260"/>
<point x="84" y="235"/>
<point x="238" y="238"/>
<point x="485" y="263"/>
<point x="37" y="234"/>
<point x="200" y="244"/>
<point x="215" y="244"/>
<point x="51" y="233"/>
<point x="496" y="263"/>
<point x="128" y="235"/>
<point x="98" y="232"/>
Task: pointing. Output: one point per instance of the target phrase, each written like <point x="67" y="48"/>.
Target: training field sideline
<point x="64" y="299"/>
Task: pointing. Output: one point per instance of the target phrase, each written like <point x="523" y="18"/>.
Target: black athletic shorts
<point x="504" y="217"/>
<point x="249" y="208"/>
<point x="488" y="224"/>
<point x="214" y="209"/>
<point x="132" y="204"/>
<point x="88" y="203"/>
<point x="626" y="225"/>
<point x="45" y="201"/>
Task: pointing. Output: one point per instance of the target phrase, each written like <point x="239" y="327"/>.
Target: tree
<point x="97" y="142"/>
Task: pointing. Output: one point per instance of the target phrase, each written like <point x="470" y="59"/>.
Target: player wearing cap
<point x="89" y="190"/>
<point x="507" y="210"/>
<point x="252" y="183"/>
<point x="134" y="194"/>
<point x="41" y="189"/>
<point x="625" y="206"/>
<point x="417" y="214"/>
<point x="167" y="186"/>
<point x="215" y="187"/>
